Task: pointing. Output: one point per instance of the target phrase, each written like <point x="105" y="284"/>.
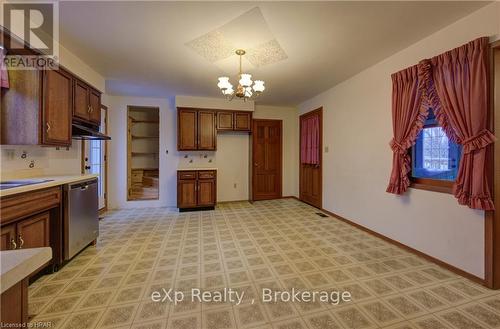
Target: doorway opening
<point x="267" y="159"/>
<point x="94" y="160"/>
<point x="143" y="153"/>
<point x="311" y="158"/>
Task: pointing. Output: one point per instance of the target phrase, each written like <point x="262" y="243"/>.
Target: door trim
<point x="254" y="121"/>
<point x="301" y="117"/>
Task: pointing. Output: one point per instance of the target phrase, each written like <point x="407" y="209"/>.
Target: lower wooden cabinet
<point x="32" y="232"/>
<point x="8" y="237"/>
<point x="196" y="189"/>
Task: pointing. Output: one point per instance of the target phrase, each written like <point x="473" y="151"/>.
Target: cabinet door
<point x="81" y="104"/>
<point x="242" y="121"/>
<point x="95" y="106"/>
<point x="187" y="130"/>
<point x="8" y="237"/>
<point x="206" y="192"/>
<point x="224" y="120"/>
<point x="33" y="232"/>
<point x="186" y="193"/>
<point x="207" y="136"/>
<point x="57" y="104"/>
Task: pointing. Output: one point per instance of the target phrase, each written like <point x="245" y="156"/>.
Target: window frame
<point x="429" y="184"/>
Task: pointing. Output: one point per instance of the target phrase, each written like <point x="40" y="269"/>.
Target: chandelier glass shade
<point x="246" y="88"/>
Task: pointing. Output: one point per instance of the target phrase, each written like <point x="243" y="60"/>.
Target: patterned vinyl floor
<point x="278" y="244"/>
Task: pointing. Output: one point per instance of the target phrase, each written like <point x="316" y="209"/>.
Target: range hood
<point x="87" y="133"/>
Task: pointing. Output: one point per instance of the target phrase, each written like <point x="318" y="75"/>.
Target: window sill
<point x="432" y="185"/>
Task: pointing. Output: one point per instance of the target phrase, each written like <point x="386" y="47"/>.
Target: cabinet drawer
<point x="206" y="174"/>
<point x="187" y="174"/>
<point x="18" y="206"/>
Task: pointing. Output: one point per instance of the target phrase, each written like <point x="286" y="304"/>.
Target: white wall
<point x="357" y="130"/>
<point x="231" y="157"/>
<point x="289" y="116"/>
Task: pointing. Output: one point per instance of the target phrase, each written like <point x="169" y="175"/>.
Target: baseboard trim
<point x="432" y="259"/>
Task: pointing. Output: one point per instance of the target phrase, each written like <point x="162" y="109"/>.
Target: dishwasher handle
<point x="83" y="185"/>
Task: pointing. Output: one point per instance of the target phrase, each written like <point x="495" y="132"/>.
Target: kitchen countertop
<point x="55" y="181"/>
<point x="195" y="168"/>
<point x="20" y="263"/>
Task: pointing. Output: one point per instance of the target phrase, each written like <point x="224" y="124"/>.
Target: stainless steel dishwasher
<point x="81" y="216"/>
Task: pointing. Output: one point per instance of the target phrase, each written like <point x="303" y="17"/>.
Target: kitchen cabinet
<point x="187" y="129"/>
<point x="196" y="130"/>
<point x="234" y="121"/>
<point x="207" y="135"/>
<point x="87" y="104"/>
<point x="32" y="219"/>
<point x="196" y="189"/>
<point x="56" y="111"/>
<point x="243" y="121"/>
<point x="32" y="232"/>
<point x="36" y="109"/>
<point x="224" y="121"/>
<point x="8" y="237"/>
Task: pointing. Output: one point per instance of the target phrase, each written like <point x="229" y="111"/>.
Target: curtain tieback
<point x="397" y="147"/>
<point x="479" y="141"/>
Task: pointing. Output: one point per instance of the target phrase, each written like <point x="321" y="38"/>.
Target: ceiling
<point x="146" y="48"/>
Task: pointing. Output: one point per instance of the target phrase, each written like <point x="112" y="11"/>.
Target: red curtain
<point x="457" y="84"/>
<point x="408" y="117"/>
<point x="309" y="151"/>
<point x="4" y="76"/>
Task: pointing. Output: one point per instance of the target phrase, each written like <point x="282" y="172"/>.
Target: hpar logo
<point x="35" y="25"/>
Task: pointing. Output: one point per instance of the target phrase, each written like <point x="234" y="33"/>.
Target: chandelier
<point x="246" y="89"/>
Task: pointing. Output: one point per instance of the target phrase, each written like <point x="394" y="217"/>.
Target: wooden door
<point x="95" y="106"/>
<point x="187" y="132"/>
<point x="8" y="237"/>
<point x="310" y="175"/>
<point x="242" y="121"/>
<point x="33" y="232"/>
<point x="206" y="192"/>
<point x="57" y="104"/>
<point x="224" y="120"/>
<point x="81" y="107"/>
<point x="267" y="159"/>
<point x="186" y="193"/>
<point x="207" y="135"/>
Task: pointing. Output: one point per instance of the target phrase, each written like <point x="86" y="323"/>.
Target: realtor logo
<point x="34" y="23"/>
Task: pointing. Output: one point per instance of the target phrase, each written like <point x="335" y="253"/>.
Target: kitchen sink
<point x="21" y="182"/>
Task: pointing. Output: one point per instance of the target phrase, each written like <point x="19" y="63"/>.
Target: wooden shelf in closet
<point x="144" y="137"/>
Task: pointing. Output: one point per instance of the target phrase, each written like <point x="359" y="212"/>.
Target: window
<point x="435" y="158"/>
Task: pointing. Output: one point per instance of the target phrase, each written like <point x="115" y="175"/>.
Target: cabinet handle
<point x="21" y="241"/>
<point x="13" y="244"/>
<point x="88" y="108"/>
<point x="91" y="109"/>
<point x="48" y="126"/>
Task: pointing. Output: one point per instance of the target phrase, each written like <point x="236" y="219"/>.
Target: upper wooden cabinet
<point x="36" y="109"/>
<point x="207" y="135"/>
<point x="39" y="107"/>
<point x="56" y="112"/>
<point x="224" y="120"/>
<point x="187" y="125"/>
<point x="243" y="121"/>
<point x="234" y="121"/>
<point x="87" y="104"/>
<point x="196" y="130"/>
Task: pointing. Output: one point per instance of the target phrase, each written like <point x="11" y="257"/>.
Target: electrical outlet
<point x="326" y="149"/>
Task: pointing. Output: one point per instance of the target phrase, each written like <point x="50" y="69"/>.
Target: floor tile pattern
<point x="280" y="244"/>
